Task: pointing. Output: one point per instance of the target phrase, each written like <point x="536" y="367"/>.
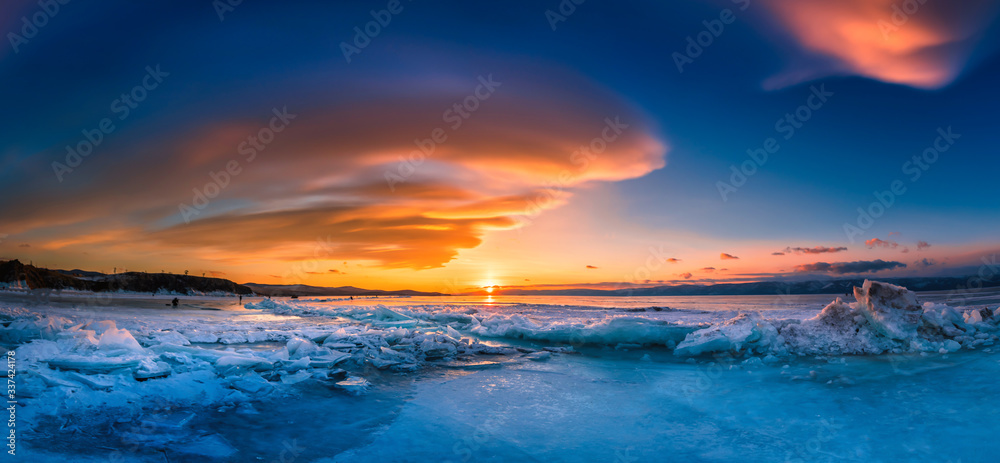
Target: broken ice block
<point x="93" y="364"/>
<point x="891" y="309"/>
<point x="354" y="385"/>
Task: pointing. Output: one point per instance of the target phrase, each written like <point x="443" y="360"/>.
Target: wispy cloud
<point x="725" y="256"/>
<point x="812" y="250"/>
<point x="879" y="243"/>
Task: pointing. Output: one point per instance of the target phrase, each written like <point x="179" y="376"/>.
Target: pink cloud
<point x="879" y="243"/>
<point x="924" y="47"/>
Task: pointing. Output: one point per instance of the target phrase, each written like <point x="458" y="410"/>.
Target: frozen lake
<point x="499" y="379"/>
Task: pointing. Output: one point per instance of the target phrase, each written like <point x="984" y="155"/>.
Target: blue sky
<point x="657" y="185"/>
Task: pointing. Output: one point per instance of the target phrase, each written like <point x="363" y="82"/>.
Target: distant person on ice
<point x="174" y="302"/>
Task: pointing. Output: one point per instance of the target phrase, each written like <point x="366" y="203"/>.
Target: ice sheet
<point x="335" y="381"/>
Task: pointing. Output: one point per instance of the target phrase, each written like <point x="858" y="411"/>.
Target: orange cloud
<point x="725" y="256"/>
<point x="321" y="188"/>
<point x="97" y="237"/>
<point x="887" y="40"/>
<point x="879" y="243"/>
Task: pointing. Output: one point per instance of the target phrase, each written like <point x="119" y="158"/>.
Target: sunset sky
<point x="480" y="143"/>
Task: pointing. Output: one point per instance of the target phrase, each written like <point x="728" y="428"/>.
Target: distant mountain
<point x="761" y="288"/>
<point x="13" y="272"/>
<point x="80" y="273"/>
<point x="306" y="290"/>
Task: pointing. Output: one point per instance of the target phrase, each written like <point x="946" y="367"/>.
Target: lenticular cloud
<point x="910" y="42"/>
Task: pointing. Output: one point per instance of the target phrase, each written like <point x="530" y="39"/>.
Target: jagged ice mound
<point x="885" y="318"/>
